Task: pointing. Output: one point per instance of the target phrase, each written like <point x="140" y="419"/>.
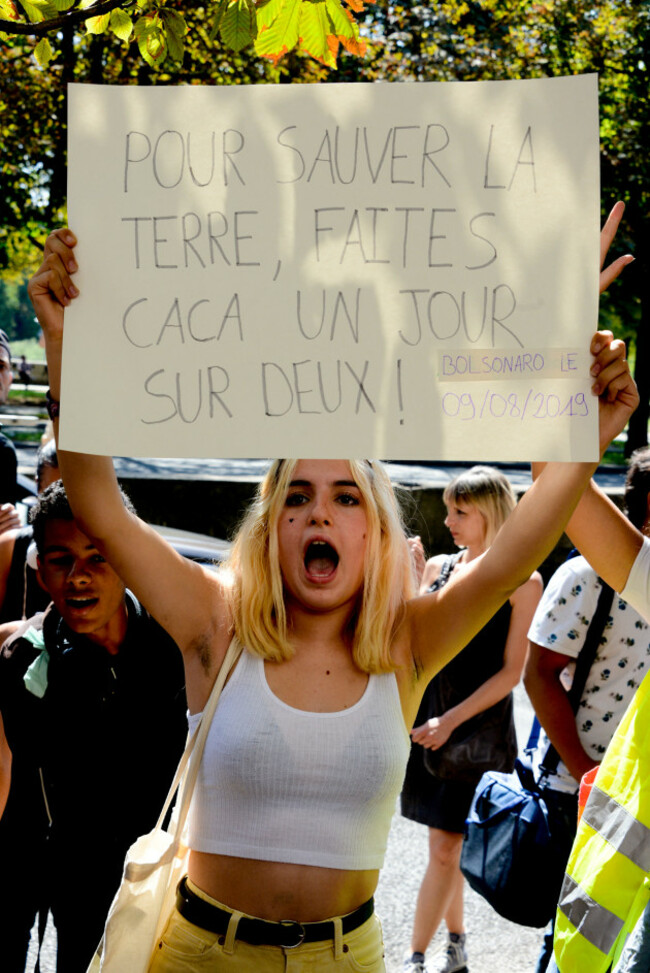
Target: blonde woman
<point x="306" y="755"/>
<point x="471" y="698"/>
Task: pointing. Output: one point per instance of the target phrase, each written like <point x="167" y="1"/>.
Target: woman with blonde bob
<point x="306" y="753"/>
<point x="487" y="489"/>
<point x="469" y="700"/>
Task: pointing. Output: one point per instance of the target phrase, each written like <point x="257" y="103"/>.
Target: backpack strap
<point x="592" y="641"/>
<point x="584" y="663"/>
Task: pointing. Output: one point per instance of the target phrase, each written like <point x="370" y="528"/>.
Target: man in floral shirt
<point x="556" y="637"/>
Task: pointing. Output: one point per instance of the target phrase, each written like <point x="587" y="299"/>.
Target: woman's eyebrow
<point x="337" y="483"/>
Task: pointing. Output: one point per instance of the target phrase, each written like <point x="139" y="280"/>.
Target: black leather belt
<point x="258" y="932"/>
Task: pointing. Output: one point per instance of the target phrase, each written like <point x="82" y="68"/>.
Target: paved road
<point x="495" y="945"/>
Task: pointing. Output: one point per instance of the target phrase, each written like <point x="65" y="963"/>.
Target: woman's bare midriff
<point x="278" y="890"/>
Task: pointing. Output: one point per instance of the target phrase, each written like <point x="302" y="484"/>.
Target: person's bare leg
<point x="454" y="918"/>
<point x="438" y="888"/>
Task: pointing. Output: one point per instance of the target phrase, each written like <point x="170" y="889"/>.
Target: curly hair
<point x="637" y="487"/>
<point x="52" y="504"/>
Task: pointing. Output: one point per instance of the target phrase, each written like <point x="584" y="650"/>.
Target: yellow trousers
<point x="186" y="948"/>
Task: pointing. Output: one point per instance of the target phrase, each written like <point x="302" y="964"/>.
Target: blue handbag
<point x="515" y="852"/>
<point x="510" y="854"/>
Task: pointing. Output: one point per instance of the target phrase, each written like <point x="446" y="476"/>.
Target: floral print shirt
<point x="560" y="624"/>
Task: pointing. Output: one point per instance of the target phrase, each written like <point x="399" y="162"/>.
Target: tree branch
<point x="69" y="19"/>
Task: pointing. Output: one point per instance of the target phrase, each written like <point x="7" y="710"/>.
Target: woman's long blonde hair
<point x="256" y="585"/>
<point x="487" y="489"/>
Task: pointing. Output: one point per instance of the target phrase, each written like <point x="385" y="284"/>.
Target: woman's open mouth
<point x="321" y="560"/>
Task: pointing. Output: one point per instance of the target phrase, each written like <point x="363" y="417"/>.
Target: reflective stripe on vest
<point x="618" y="827"/>
<point x="598" y="925"/>
<point x="629" y="837"/>
<point x="607" y="882"/>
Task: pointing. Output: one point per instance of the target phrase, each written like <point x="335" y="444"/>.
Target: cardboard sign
<point x="406" y="271"/>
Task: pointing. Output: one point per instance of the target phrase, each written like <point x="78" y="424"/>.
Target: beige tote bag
<point x="157" y="861"/>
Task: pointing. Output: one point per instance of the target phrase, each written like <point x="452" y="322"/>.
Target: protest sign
<point x="405" y="271"/>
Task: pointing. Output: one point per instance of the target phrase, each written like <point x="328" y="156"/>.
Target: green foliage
<point x="33" y="107"/>
<point x="39" y="10"/>
<point x="9" y="10"/>
<point x="480" y="40"/>
<point x="16" y="312"/>
<point x="121" y="25"/>
<point x="151" y="37"/>
<point x="98" y="25"/>
<point x="30" y="348"/>
<point x="281" y="32"/>
<point x="238" y="25"/>
<point x="177" y="41"/>
<point x="274" y="27"/>
<point x="175" y="30"/>
<point x="43" y="52"/>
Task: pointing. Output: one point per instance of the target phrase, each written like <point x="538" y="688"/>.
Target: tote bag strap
<point x="185" y="776"/>
<point x="233" y="653"/>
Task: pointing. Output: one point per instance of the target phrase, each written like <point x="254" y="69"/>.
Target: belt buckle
<point x="301" y="932"/>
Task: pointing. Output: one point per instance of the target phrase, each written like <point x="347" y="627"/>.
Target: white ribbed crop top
<point x="282" y="784"/>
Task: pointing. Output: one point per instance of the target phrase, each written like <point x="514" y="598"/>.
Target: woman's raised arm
<point x="186" y="600"/>
<point x="608" y="540"/>
<point x="444" y="621"/>
<point x="598" y="528"/>
<point x="533" y="529"/>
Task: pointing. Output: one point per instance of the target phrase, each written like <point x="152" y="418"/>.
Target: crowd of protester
<point x="309" y="747"/>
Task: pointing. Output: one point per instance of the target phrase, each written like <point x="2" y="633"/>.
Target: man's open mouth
<point x="80" y="603"/>
<point x="321" y="560"/>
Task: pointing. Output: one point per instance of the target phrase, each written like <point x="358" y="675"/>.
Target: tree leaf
<point x="267" y="11"/>
<point x="43" y="52"/>
<point x="345" y="28"/>
<point x="38" y="10"/>
<point x="98" y="25"/>
<point x="314" y="33"/>
<point x="8" y="10"/>
<point x="121" y="24"/>
<point x="340" y="19"/>
<point x="175" y="31"/>
<point x="220" y="8"/>
<point x="151" y="39"/>
<point x="239" y="26"/>
<point x="282" y="36"/>
<point x="63" y="5"/>
<point x="174" y="21"/>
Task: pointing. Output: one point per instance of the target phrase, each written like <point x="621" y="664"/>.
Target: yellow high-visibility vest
<point x="607" y="882"/>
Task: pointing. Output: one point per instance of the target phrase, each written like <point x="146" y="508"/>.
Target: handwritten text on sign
<point x="406" y="271"/>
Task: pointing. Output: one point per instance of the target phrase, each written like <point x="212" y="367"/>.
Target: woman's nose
<point x="320" y="513"/>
